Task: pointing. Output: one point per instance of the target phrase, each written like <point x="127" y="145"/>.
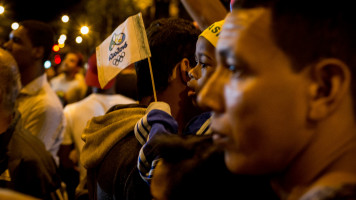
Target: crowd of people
<point x="255" y="102"/>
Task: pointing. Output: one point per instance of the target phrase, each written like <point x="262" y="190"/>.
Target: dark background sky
<point x="44" y="10"/>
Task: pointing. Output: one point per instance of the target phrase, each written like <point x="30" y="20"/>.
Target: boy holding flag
<point x="111" y="148"/>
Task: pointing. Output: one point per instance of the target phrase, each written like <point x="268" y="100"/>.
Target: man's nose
<point x="6" y="45"/>
<point x="211" y="96"/>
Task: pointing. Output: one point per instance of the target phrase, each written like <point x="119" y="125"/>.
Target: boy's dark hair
<point x="197" y="170"/>
<point x="308" y="31"/>
<point x="170" y="40"/>
<point x="41" y="35"/>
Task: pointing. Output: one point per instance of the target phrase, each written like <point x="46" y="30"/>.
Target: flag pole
<point x="153" y="82"/>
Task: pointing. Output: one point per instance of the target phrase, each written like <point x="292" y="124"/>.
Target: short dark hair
<point x="170" y="40"/>
<point x="308" y="31"/>
<point x="41" y="35"/>
<point x="197" y="170"/>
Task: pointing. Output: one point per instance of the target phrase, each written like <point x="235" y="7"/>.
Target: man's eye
<point x="16" y="40"/>
<point x="237" y="71"/>
<point x="232" y="68"/>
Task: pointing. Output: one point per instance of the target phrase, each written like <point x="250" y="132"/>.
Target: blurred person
<point x="192" y="167"/>
<point x="40" y="108"/>
<point x="25" y="165"/>
<point x="69" y="84"/>
<point x="13" y="195"/>
<point x="78" y="114"/>
<point x="283" y="97"/>
<point x="111" y="148"/>
<point x="205" y="12"/>
<point x="148" y="126"/>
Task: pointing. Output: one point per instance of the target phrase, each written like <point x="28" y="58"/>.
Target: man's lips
<point x="220" y="139"/>
<point x="220" y="127"/>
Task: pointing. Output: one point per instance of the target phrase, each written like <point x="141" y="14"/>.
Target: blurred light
<point x="2" y="10"/>
<point x="63" y="37"/>
<point x="15" y="26"/>
<point x="78" y="39"/>
<point x="84" y="30"/>
<point x="65" y="18"/>
<point x="61" y="45"/>
<point x="57" y="59"/>
<point x="60" y="41"/>
<point x="47" y="64"/>
<point x="55" y="48"/>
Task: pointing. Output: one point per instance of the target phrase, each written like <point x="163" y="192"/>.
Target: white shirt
<point x="42" y="113"/>
<point x="70" y="88"/>
<point x="79" y="113"/>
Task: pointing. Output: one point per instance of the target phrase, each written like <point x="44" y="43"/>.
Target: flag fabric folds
<point x="126" y="45"/>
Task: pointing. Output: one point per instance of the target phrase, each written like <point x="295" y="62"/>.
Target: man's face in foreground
<point x="259" y="102"/>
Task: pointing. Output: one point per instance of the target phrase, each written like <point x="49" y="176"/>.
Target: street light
<point x="78" y="39"/>
<point x="2" y="10"/>
<point x="84" y="30"/>
<point x="65" y="18"/>
<point x="63" y="37"/>
<point x="15" y="26"/>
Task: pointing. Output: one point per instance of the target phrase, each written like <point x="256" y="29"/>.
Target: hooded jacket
<point x="110" y="155"/>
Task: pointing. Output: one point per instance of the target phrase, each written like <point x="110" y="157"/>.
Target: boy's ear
<point x="184" y="69"/>
<point x="331" y="79"/>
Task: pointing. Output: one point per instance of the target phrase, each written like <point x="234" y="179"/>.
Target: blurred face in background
<point x="70" y="64"/>
<point x="21" y="48"/>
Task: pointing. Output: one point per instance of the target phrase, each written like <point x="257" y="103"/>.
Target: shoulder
<point x="125" y="106"/>
<point x="345" y="191"/>
<point x="32" y="150"/>
<point x="57" y="78"/>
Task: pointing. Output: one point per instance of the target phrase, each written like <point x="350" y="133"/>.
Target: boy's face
<point x="259" y="102"/>
<point x="206" y="64"/>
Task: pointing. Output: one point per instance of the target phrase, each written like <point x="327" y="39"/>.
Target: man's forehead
<point x="239" y="21"/>
<point x="242" y="18"/>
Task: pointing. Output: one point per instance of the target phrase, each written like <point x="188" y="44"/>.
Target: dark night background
<point x="44" y="10"/>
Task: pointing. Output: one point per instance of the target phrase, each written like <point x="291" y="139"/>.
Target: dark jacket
<point x="25" y="165"/>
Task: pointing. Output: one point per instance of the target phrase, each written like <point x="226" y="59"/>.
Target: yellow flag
<point x="126" y="45"/>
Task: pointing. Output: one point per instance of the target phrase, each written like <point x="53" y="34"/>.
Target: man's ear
<point x="330" y="83"/>
<point x="38" y="52"/>
<point x="184" y="69"/>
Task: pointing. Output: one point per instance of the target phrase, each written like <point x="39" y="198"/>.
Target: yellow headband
<point x="212" y="32"/>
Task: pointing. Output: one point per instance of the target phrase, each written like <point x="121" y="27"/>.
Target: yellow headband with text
<point x="212" y="32"/>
